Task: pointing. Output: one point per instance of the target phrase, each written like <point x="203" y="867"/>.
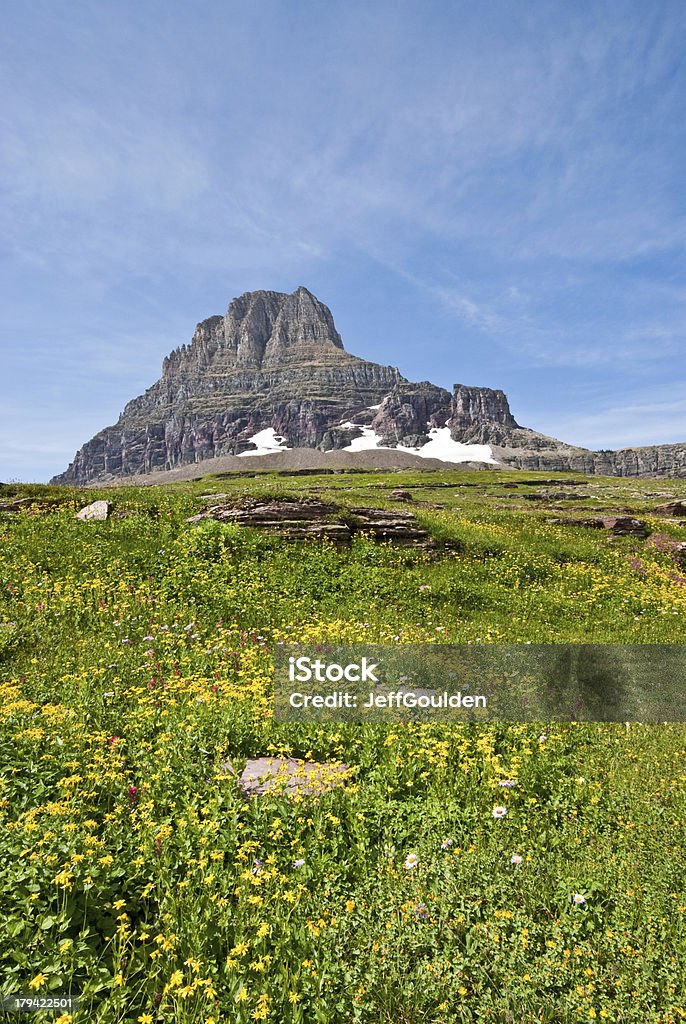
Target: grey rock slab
<point x="295" y="520"/>
<point x="275" y="775"/>
<point x="97" y="510"/>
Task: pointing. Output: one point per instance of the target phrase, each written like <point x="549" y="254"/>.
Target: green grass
<point x="136" y="658"/>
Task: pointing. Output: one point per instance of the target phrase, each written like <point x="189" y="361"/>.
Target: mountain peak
<point x="274" y="367"/>
<point x="262" y="329"/>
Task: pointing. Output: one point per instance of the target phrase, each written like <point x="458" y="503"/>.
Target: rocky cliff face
<point x="261" y="330"/>
<point x="273" y="361"/>
<point x="276" y="361"/>
<point x="663" y="460"/>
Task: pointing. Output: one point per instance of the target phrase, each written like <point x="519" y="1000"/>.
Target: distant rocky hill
<point x="272" y="375"/>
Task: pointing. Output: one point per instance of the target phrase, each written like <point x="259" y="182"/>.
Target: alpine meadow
<point x="467" y="872"/>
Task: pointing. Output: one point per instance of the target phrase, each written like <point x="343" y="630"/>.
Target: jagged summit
<point x="272" y="375"/>
<point x="261" y="330"/>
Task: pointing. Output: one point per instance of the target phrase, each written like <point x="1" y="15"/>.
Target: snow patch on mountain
<point x="442" y="446"/>
<point x="370" y="439"/>
<point x="439" y="446"/>
<point x="268" y="442"/>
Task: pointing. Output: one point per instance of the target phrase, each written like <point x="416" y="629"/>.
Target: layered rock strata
<point x="275" y="365"/>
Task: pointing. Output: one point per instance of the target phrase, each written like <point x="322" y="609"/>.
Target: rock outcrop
<point x="298" y="520"/>
<point x="663" y="460"/>
<point x="619" y="526"/>
<point x="275" y="366"/>
<point x="672" y="508"/>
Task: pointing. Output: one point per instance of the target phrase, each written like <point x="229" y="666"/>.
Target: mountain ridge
<point x="274" y="367"/>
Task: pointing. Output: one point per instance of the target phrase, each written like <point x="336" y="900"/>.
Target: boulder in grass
<point x="276" y="775"/>
<point x="98" y="511"/>
<point x="620" y="525"/>
<point x="672" y="508"/>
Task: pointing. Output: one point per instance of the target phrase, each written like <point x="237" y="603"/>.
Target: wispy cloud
<point x="655" y="418"/>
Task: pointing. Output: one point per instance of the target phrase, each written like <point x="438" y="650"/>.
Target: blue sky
<point x="491" y="194"/>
